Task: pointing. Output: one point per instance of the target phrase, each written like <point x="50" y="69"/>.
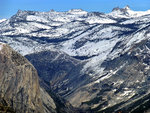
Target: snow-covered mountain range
<point x="76" y="32"/>
<point x="106" y="43"/>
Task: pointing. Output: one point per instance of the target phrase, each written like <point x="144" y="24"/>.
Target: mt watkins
<point x="111" y="49"/>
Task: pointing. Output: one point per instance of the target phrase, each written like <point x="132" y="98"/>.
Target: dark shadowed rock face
<point x="127" y="88"/>
<point x="4" y="108"/>
<point x="59" y="70"/>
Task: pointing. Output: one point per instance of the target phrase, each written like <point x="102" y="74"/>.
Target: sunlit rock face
<point x="20" y="84"/>
<point x="19" y="81"/>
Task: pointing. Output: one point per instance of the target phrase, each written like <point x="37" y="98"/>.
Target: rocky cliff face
<point x="20" y="85"/>
<point x="60" y="71"/>
<point x="4" y="108"/>
<point x="19" y="82"/>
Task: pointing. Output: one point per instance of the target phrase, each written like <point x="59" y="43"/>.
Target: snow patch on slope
<point x="100" y="20"/>
<point x="36" y="18"/>
<point x="2" y="20"/>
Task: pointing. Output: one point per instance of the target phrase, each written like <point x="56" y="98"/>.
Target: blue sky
<point x="10" y="7"/>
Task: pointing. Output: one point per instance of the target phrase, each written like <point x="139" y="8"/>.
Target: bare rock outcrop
<point x="19" y="84"/>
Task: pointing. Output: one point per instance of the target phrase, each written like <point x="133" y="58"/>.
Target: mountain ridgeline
<point x="96" y="62"/>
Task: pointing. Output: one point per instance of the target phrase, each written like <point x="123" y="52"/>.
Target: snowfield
<point x="91" y="36"/>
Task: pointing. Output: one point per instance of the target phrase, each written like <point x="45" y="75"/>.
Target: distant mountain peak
<point x="52" y="10"/>
<point x="126" y="12"/>
<point x="2" y="20"/>
<point x="26" y="12"/>
<point x="77" y="11"/>
<point x="116" y="9"/>
<point x="20" y="11"/>
<point x="127" y="7"/>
